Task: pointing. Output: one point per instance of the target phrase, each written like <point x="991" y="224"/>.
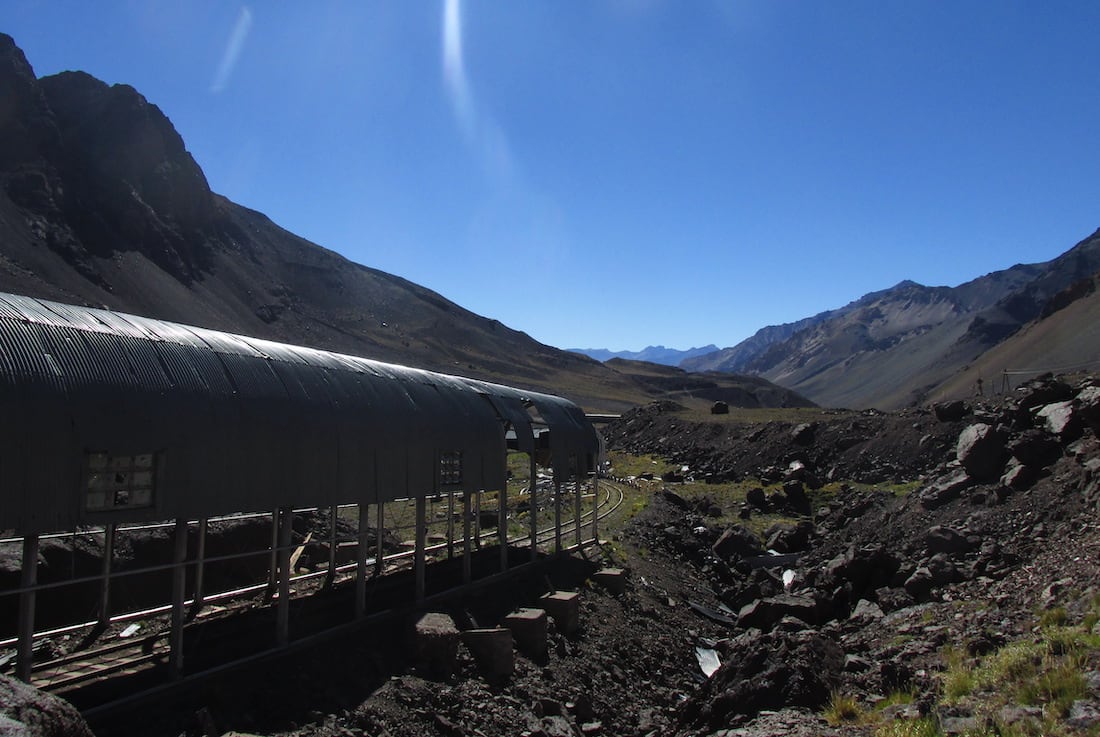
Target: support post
<point x="533" y="506"/>
<point x="502" y="526"/>
<point x="362" y="541"/>
<point x="557" y="516"/>
<point x="200" y="568"/>
<point x="105" y="582"/>
<point x="421" y="536"/>
<point x="273" y="559"/>
<point x="282" y="612"/>
<point x="466" y="573"/>
<point x="477" y="519"/>
<point x="577" y="508"/>
<point x="179" y="593"/>
<point x="333" y="544"/>
<point x="28" y="580"/>
<point x="595" y="508"/>
<point x="380" y="550"/>
<point x="451" y="525"/>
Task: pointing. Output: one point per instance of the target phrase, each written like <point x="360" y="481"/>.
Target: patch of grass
<point x="1055" y="617"/>
<point x="843" y="709"/>
<point x="1056" y="688"/>
<point x="925" y="727"/>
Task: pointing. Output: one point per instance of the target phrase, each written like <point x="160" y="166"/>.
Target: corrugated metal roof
<point x="238" y="423"/>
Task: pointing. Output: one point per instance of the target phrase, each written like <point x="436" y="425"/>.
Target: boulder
<point x="737" y="542"/>
<point x="768" y="671"/>
<point x="945" y="489"/>
<point x="765" y="613"/>
<point x="24" y="710"/>
<point x="1035" y="448"/>
<point x="981" y="451"/>
<point x="865" y="568"/>
<point x="1088" y="407"/>
<point x="720" y="408"/>
<point x="788" y="538"/>
<point x="940" y="539"/>
<point x="950" y="411"/>
<point x="1061" y="419"/>
<point x="756" y="498"/>
<point x="803" y="434"/>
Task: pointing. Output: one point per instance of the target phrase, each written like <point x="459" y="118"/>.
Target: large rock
<point x="1088" y="403"/>
<point x="940" y="539"/>
<point x="1035" y="448"/>
<point x="1061" y="419"/>
<point x="738" y="542"/>
<point x="950" y="411"/>
<point x="981" y="451"/>
<point x="765" y="613"/>
<point x="37" y="714"/>
<point x="767" y="672"/>
<point x="864" y="568"/>
<point x="945" y="489"/>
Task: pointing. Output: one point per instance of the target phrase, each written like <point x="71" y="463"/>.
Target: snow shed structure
<point x="113" y="419"/>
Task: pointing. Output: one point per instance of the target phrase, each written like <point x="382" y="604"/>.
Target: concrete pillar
<point x="492" y="650"/>
<point x="418" y="554"/>
<point x="105" y="582"/>
<point x="436" y="645"/>
<point x="529" y="630"/>
<point x="28" y="579"/>
<point x="612" y="579"/>
<point x="564" y="607"/>
<point x="179" y="593"/>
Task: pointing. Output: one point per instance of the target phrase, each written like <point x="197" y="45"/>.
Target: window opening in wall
<point x="119" y="481"/>
<point x="450" y="468"/>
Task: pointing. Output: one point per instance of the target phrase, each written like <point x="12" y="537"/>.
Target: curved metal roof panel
<point x="232" y="423"/>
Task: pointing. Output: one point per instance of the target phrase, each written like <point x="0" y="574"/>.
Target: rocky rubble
<point x="859" y="592"/>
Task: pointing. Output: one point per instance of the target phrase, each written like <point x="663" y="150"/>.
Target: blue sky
<point x="620" y="173"/>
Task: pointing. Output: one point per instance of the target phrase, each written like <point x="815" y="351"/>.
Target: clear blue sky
<point x="621" y="173"/>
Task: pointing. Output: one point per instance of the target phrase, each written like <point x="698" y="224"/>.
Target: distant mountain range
<point x="101" y="204"/>
<point x="652" y="354"/>
<point x="911" y="343"/>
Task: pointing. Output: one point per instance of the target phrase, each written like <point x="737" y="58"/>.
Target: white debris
<point x="708" y="660"/>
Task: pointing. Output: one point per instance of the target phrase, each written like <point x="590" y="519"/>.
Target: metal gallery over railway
<point x="112" y="419"/>
<point x="109" y="417"/>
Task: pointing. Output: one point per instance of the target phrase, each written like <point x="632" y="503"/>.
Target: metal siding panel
<point x="23" y="358"/>
<point x="29" y="309"/>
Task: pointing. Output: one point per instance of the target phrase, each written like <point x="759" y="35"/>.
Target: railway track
<point x="217" y="636"/>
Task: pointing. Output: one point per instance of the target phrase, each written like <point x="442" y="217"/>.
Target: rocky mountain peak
<point x="27" y="127"/>
<point x="115" y="134"/>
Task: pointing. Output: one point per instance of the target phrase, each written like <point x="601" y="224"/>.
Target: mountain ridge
<point x="102" y="205"/>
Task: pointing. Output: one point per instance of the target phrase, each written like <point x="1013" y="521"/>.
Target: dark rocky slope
<point x="101" y="204"/>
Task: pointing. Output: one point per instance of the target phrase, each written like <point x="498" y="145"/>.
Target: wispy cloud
<point x="232" y="50"/>
<point x="480" y="130"/>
